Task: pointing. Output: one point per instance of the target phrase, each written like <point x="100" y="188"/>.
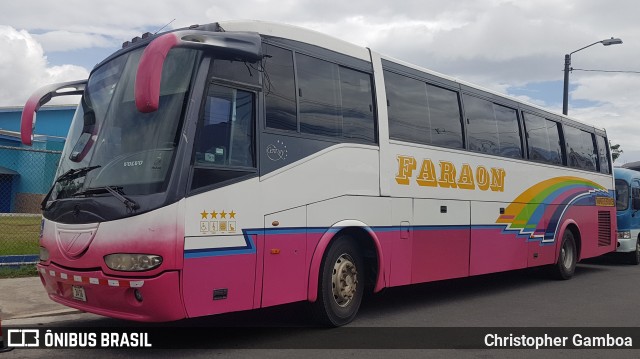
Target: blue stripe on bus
<point x="250" y="248"/>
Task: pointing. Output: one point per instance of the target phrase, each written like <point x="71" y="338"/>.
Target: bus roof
<point x="625" y="174"/>
<point x="331" y="43"/>
<point x="632" y="165"/>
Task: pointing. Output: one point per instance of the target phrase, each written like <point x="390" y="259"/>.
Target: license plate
<point x="78" y="293"/>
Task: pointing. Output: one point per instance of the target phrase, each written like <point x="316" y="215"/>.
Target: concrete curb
<point x="47" y="314"/>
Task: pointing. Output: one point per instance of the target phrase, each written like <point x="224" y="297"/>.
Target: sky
<point x="515" y="47"/>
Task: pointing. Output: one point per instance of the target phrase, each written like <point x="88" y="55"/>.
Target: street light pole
<point x="567" y="69"/>
<point x="565" y="93"/>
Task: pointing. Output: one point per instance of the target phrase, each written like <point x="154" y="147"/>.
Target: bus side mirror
<point x="636" y="204"/>
<point x="40" y="97"/>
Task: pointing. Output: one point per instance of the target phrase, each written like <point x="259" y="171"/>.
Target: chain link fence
<point x="26" y="174"/>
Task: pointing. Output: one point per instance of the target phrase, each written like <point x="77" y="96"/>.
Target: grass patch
<point x="18" y="271"/>
<point x="19" y="234"/>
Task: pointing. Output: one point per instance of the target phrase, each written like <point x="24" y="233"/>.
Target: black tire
<point x="341" y="283"/>
<point x="567" y="257"/>
<point x="634" y="257"/>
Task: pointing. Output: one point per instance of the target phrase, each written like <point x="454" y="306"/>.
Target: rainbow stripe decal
<point x="537" y="211"/>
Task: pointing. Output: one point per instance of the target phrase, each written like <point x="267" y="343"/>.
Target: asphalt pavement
<point x="25" y="298"/>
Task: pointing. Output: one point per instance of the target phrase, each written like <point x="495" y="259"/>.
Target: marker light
<point x="624" y="234"/>
<point x="132" y="262"/>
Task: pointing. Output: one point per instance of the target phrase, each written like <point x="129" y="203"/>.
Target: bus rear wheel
<point x="341" y="283"/>
<point x="567" y="258"/>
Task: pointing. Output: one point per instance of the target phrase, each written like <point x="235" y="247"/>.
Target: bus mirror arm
<point x="239" y="46"/>
<point x="39" y="98"/>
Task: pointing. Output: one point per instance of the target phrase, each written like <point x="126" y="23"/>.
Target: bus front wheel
<point x="341" y="283"/>
<point x="567" y="258"/>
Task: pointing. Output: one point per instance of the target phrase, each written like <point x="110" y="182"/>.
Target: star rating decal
<point x="218" y="222"/>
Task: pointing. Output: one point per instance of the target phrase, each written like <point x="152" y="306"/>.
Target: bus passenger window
<point x="603" y="155"/>
<point x="319" y="96"/>
<point x="543" y="139"/>
<point x="279" y="89"/>
<point x="357" y="105"/>
<point x="422" y="113"/>
<point x="492" y="128"/>
<point x="580" y="150"/>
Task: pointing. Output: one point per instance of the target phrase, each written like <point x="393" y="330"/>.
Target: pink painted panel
<point x="440" y="254"/>
<point x="546" y="254"/>
<point x="257" y="293"/>
<point x="161" y="295"/>
<point x="399" y="252"/>
<point x="542" y="254"/>
<point x="387" y="243"/>
<point x="285" y="275"/>
<point x="202" y="275"/>
<point x="495" y="251"/>
<point x="586" y="217"/>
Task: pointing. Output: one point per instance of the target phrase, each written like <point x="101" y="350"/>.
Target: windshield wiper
<point x="114" y="191"/>
<point x="67" y="176"/>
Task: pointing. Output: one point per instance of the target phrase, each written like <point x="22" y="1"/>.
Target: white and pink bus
<point x="242" y="165"/>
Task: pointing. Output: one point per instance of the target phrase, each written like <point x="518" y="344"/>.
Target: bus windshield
<point x="622" y="195"/>
<point x="126" y="149"/>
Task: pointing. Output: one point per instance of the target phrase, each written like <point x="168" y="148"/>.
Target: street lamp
<point x="567" y="69"/>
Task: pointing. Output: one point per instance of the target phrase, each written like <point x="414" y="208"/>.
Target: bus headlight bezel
<point x="132" y="262"/>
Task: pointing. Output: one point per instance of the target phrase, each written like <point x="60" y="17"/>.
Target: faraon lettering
<point x="482" y="178"/>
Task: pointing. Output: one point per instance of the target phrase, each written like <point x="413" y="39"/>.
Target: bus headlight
<point x="132" y="262"/>
<point x="624" y="234"/>
<point x="44" y="254"/>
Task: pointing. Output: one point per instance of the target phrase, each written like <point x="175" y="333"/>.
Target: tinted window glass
<point x="481" y="125"/>
<point x="622" y="195"/>
<point x="236" y="71"/>
<point x="422" y="113"/>
<point x="492" y="128"/>
<point x="333" y="101"/>
<point x="407" y="108"/>
<point x="225" y="134"/>
<point x="357" y="105"/>
<point x="444" y="117"/>
<point x="280" y="89"/>
<point x="319" y="96"/>
<point x="603" y="155"/>
<point x="508" y="131"/>
<point x="224" y="141"/>
<point x="580" y="150"/>
<point x="543" y="139"/>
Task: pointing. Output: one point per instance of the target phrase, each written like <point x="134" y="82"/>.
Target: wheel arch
<point x="368" y="242"/>
<point x="572" y="226"/>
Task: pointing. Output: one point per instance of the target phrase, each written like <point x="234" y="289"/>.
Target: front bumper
<point x="114" y="296"/>
<point x="626" y="244"/>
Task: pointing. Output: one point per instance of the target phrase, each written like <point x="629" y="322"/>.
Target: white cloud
<point x="62" y="40"/>
<point x="24" y="68"/>
<point x="498" y="44"/>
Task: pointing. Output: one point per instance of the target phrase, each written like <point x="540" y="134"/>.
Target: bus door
<point x="284" y="278"/>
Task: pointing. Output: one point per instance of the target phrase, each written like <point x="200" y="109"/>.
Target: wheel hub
<point x="344" y="280"/>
